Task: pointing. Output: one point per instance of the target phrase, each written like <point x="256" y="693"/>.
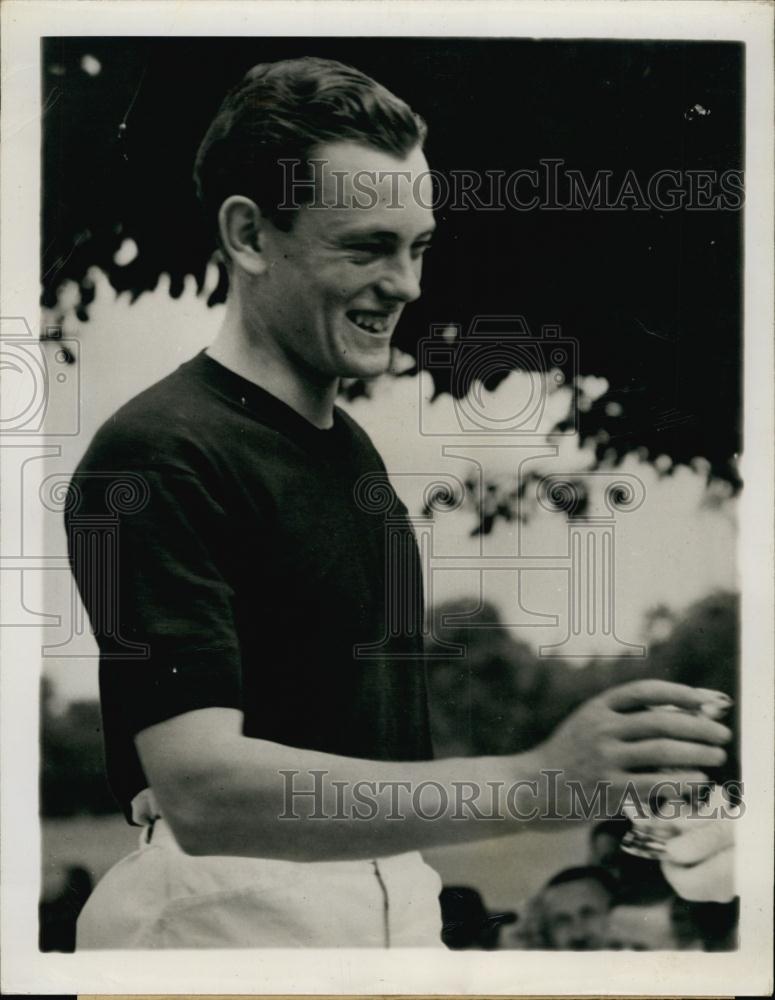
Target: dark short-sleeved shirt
<point x="230" y="553"/>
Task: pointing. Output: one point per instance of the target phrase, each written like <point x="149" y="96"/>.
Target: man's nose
<point x="579" y="933"/>
<point x="401" y="280"/>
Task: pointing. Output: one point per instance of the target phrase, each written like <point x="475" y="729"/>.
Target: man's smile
<point x="372" y="321"/>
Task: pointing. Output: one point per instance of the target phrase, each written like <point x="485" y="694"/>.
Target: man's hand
<point x="633" y="734"/>
<point x="695" y="847"/>
<point x="699" y="862"/>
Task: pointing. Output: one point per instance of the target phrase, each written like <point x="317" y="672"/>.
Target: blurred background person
<point x="713" y="926"/>
<point x="605" y="841"/>
<point x="58" y="914"/>
<point x="641" y="921"/>
<point x="466" y="923"/>
<point x="572" y="909"/>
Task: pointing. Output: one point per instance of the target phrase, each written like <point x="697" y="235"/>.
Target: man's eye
<point x="420" y="248"/>
<point x="369" y="248"/>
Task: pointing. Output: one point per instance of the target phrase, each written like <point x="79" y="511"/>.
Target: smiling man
<point x="248" y="576"/>
<point x="321" y="301"/>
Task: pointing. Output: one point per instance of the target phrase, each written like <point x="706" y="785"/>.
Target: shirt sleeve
<point x="149" y="551"/>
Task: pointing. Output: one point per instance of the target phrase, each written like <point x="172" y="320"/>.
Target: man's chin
<point x="363" y="367"/>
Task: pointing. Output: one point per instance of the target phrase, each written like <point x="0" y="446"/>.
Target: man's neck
<point x="258" y="359"/>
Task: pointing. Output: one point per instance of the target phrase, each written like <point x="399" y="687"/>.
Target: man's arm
<point x="223" y="793"/>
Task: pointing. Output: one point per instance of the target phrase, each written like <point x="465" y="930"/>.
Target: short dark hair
<point x="581" y="873"/>
<point x="282" y="110"/>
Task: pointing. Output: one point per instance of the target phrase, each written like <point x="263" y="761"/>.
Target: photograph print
<point x="393" y="401"/>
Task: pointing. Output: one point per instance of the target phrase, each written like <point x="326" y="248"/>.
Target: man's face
<point x="575" y="915"/>
<point x="336" y="284"/>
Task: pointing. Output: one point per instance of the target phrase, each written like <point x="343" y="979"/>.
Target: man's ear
<point x="241" y="226"/>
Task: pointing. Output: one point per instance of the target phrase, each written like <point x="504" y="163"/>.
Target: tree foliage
<point x="73" y="768"/>
<point x="503" y="698"/>
<point x="652" y="297"/>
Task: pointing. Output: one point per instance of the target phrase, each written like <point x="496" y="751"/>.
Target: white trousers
<point x="159" y="897"/>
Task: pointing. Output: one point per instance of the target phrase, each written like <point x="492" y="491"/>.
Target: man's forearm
<point x="262" y="799"/>
<point x="224" y="793"/>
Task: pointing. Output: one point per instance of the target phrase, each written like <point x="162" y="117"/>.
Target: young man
<point x="251" y="573"/>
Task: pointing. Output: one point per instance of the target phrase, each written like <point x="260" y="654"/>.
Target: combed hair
<point x="281" y="111"/>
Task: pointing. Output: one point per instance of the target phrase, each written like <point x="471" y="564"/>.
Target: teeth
<point x="369" y="322"/>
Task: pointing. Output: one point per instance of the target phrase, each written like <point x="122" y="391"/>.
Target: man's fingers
<point x="677" y="725"/>
<point x="637" y="694"/>
<point x="700" y="842"/>
<point x="664" y="752"/>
